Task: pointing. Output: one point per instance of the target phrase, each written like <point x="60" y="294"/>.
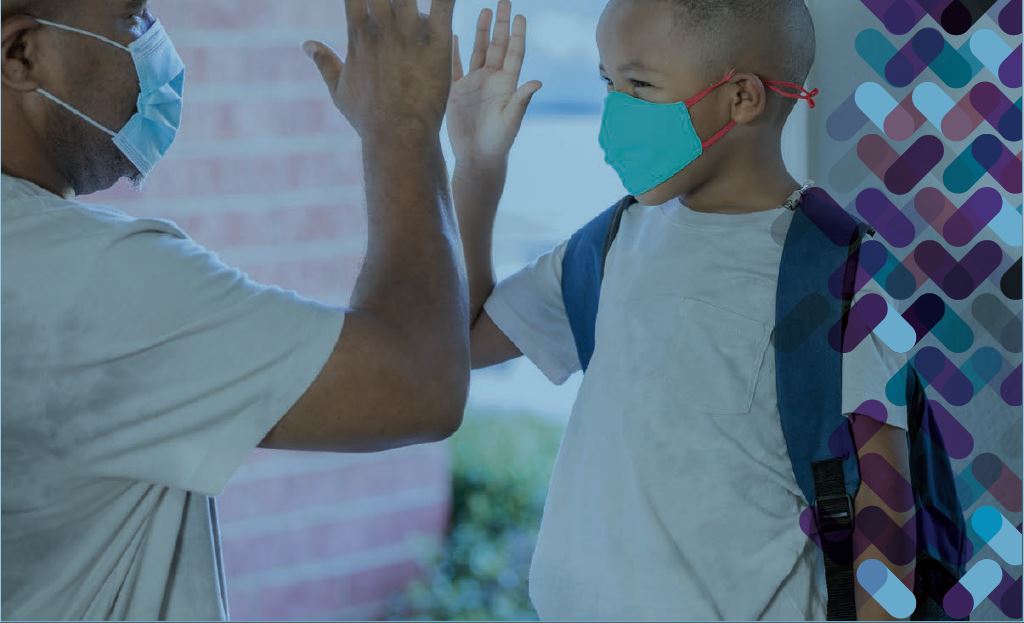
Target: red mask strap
<point x="719" y="135"/>
<point x="698" y="97"/>
<point x="792" y="91"/>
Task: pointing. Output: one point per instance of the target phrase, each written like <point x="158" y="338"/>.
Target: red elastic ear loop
<point x="797" y="92"/>
<point x="698" y="97"/>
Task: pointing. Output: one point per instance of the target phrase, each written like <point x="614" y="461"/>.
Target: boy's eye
<point x="606" y="80"/>
<point x="640" y="84"/>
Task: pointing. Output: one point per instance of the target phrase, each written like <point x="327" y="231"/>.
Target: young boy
<point x="673" y="496"/>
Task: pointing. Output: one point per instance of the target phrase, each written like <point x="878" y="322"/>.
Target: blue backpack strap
<point x="823" y="239"/>
<point x="583" y="272"/>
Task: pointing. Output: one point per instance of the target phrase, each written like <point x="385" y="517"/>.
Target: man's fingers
<point x="441" y="15"/>
<point x="327" y="62"/>
<point x="355" y="15"/>
<point x="381" y="11"/>
<point x="500" y="36"/>
<point x="457" y="71"/>
<point x="483" y="38"/>
<point x="516" y="48"/>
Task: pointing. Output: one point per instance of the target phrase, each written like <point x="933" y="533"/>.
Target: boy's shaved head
<point x="773" y="37"/>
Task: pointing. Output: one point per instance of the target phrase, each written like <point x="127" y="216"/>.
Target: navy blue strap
<point x="583" y="272"/>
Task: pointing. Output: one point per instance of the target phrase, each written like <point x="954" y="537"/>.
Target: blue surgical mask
<point x="648" y="143"/>
<point x="149" y="133"/>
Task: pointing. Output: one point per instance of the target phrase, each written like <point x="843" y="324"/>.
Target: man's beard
<point x="88" y="157"/>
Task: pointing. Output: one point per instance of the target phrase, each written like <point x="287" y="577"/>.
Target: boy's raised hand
<point x="486" y="106"/>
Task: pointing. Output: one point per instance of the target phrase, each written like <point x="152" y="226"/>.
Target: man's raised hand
<point x="396" y="75"/>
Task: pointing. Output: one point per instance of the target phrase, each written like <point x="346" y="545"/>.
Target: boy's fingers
<point x="327" y="62"/>
<point x="483" y="37"/>
<point x="457" y="71"/>
<point x="516" y="48"/>
<point x="521" y="99"/>
<point x="500" y="36"/>
<point x="441" y="14"/>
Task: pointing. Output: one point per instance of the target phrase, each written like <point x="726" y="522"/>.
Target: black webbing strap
<point x="834" y="514"/>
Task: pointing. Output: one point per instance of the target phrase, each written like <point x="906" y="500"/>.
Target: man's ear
<point x="749" y="100"/>
<point x="20" y="53"/>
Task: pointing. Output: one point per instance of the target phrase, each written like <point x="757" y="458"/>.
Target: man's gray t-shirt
<point x="138" y="373"/>
<point x="673" y="496"/>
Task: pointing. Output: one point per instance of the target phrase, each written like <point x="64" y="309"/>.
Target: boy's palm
<point x="485" y="108"/>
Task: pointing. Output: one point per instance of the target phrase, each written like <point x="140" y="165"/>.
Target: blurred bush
<point x="501" y="465"/>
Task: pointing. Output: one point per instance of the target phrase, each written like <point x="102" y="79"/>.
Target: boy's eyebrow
<point x="633" y="65"/>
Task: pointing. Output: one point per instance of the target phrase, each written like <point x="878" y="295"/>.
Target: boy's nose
<point x="624" y="89"/>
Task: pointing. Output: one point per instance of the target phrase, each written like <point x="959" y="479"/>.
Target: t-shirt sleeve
<point x="871" y="364"/>
<point x="529" y="310"/>
<point x="190" y="362"/>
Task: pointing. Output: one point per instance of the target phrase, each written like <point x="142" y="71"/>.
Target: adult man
<point x="138" y="371"/>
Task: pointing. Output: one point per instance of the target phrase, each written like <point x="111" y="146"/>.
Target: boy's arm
<point x="884" y="527"/>
<point x="476" y="193"/>
<point x="485" y="112"/>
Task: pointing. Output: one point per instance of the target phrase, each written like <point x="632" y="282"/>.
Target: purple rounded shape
<point x="1011" y="601"/>
<point x="928" y="44"/>
<point x="958" y="602"/>
<point x="1010" y="390"/>
<point x="901" y="17"/>
<point x="987" y="150"/>
<point x="901" y="71"/>
<point x="930" y="362"/>
<point x="1009" y="18"/>
<point x="1009" y="70"/>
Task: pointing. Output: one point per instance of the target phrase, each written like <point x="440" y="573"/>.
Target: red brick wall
<point x="267" y="174"/>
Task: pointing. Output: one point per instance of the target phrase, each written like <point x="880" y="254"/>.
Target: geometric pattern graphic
<point x="927" y="151"/>
<point x="954" y="16"/>
<point x="984" y="104"/>
<point x="928" y="49"/>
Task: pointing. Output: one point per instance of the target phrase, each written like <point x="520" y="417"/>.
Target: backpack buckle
<point x="834" y="513"/>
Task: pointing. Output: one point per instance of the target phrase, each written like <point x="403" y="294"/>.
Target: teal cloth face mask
<point x="149" y="133"/>
<point x="648" y="143"/>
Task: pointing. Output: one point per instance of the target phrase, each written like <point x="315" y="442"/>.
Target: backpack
<point x="816" y="287"/>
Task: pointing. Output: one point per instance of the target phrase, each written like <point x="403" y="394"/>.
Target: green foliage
<point x="501" y="463"/>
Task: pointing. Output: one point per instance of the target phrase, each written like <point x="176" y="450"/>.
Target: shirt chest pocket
<point x="705" y="357"/>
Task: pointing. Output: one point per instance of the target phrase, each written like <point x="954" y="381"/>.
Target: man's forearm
<point x="412" y="277"/>
<point x="477" y="192"/>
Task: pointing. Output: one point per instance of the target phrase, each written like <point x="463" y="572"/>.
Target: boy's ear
<point x="749" y="100"/>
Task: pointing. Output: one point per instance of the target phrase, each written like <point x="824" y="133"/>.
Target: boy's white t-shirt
<point x="138" y="373"/>
<point x="673" y="496"/>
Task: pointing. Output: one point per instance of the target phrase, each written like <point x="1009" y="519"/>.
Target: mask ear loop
<point x="79" y="31"/>
<point x="792" y="90"/>
<point x="717" y="136"/>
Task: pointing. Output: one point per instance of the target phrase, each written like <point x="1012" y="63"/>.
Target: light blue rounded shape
<point x="875" y="102"/>
<point x="896" y="332"/>
<point x="1007" y="224"/>
<point x="986" y="521"/>
<point x="932" y="102"/>
<point x="890" y="593"/>
<point x="990" y="49"/>
<point x="981" y="579"/>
